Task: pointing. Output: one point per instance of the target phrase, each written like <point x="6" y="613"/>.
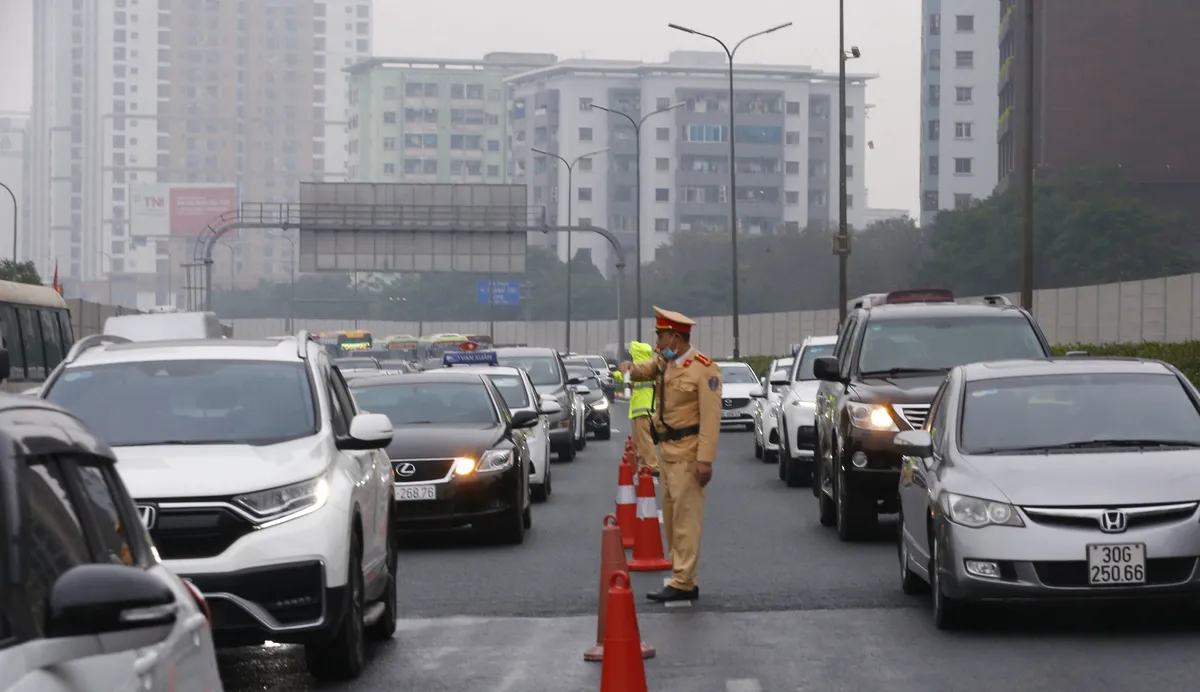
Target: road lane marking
<point x="743" y="685"/>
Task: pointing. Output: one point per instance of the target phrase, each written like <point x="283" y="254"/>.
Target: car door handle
<point x="144" y="665"/>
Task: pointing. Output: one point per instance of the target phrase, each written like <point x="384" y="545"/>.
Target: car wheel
<point x="385" y="627"/>
<point x="604" y="433"/>
<point x="855" y="516"/>
<point x="527" y="518"/>
<point x="795" y="474"/>
<point x="770" y="456"/>
<point x="344" y="656"/>
<point x="948" y="613"/>
<point x="566" y="452"/>
<point x="910" y="582"/>
<point x="509" y="527"/>
<point x="780" y="461"/>
<point x="541" y="490"/>
<point x="749" y="427"/>
<point x="758" y="449"/>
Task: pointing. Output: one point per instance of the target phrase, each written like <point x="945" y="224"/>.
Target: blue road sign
<point x="503" y="292"/>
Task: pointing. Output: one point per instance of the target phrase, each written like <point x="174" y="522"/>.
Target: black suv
<point x="893" y="352"/>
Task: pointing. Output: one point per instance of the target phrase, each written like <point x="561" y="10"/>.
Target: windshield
<point x="190" y="401"/>
<point x="738" y="374"/>
<point x="1025" y="412"/>
<point x="597" y="363"/>
<point x="356" y="364"/>
<point x="781" y="367"/>
<point x="940" y="343"/>
<point x="804" y="371"/>
<point x="542" y="370"/>
<point x="423" y="403"/>
<point x="512" y="390"/>
<point x="574" y="371"/>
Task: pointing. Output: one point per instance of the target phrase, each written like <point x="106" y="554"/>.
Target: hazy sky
<point x="887" y="31"/>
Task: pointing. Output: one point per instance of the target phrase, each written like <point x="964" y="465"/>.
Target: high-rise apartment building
<point x="786" y="136"/>
<point x="433" y="120"/>
<point x="129" y="93"/>
<point x="14" y="174"/>
<point x="959" y="111"/>
<point x="1112" y="87"/>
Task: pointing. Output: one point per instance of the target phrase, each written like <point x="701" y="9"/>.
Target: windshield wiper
<point x="157" y="443"/>
<point x="1092" y="444"/>
<point x="903" y="371"/>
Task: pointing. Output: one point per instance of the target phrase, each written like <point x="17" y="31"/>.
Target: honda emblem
<point x="1113" y="521"/>
<point x="148" y="514"/>
<point x="406" y="469"/>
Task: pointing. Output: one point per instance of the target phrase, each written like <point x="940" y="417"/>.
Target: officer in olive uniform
<point x="686" y="427"/>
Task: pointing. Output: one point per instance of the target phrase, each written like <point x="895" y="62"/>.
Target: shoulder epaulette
<point x="703" y="359"/>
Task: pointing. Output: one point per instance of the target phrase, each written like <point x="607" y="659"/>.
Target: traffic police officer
<point x="641" y="405"/>
<point x="686" y="424"/>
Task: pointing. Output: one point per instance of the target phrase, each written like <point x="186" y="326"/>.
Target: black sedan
<point x="595" y="402"/>
<point x="459" y="454"/>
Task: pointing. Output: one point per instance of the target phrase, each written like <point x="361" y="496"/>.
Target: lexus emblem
<point x="406" y="469"/>
<point x="148" y="514"/>
<point x="1113" y="521"/>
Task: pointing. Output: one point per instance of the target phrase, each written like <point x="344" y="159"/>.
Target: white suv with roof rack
<point x="259" y="480"/>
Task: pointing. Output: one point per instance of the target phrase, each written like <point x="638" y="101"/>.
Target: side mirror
<point x="779" y="382"/>
<point x="32" y="391"/>
<point x="914" y="443"/>
<point x="93" y="599"/>
<point x="582" y="390"/>
<point x="368" y="431"/>
<point x="575" y="380"/>
<point x="825" y="369"/>
<point x="1076" y="354"/>
<point x="524" y="419"/>
<point x="551" y="406"/>
<point x="757" y="393"/>
<point x="5" y="365"/>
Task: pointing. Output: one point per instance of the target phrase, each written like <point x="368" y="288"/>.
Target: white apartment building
<point x="959" y="103"/>
<point x="787" y="135"/>
<point x="13" y="175"/>
<point x="247" y="94"/>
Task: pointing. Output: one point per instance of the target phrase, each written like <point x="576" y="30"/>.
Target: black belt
<point x="674" y="434"/>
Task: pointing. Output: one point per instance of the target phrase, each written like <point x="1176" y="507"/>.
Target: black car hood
<point x="896" y="390"/>
<point x="593" y="396"/>
<point x="443" y="441"/>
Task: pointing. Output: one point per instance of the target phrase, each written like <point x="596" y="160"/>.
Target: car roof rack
<point x="302" y="339"/>
<point x="92" y="341"/>
<point x="997" y="301"/>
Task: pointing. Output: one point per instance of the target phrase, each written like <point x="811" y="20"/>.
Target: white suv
<point x="260" y="482"/>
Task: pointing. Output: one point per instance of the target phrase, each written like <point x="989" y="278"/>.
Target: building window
<point x="662" y="104"/>
<point x="963" y="94"/>
<point x="493" y="145"/>
<point x="389" y="169"/>
<point x="585" y="194"/>
<point x="849" y="141"/>
<point x="933" y="130"/>
<point x="849" y="172"/>
<point x="584" y="221"/>
<point x="791" y="167"/>
<point x="935" y="95"/>
<point x="935" y="60"/>
<point x="791" y="139"/>
<point x="935" y="24"/>
<point x="793" y="108"/>
<point x="964" y="23"/>
<point x="662" y="165"/>
<point x="849" y="201"/>
<point x="662" y="225"/>
<point x="662" y="194"/>
<point x="493" y="171"/>
<point x="791" y="198"/>
<point x="849" y="112"/>
<point x="389" y="143"/>
<point x="585" y="104"/>
<point x="962" y="130"/>
<point x="585" y="134"/>
<point x="933" y="165"/>
<point x="962" y="201"/>
<point x="964" y="58"/>
<point x="929" y="200"/>
<point x="389" y="117"/>
<point x="389" y="93"/>
<point x="585" y="164"/>
<point x="962" y="166"/>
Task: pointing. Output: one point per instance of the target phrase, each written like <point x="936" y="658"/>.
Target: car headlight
<point x="490" y="461"/>
<point x="288" y="502"/>
<point x="871" y="417"/>
<point x="975" y="513"/>
<point x="600" y="405"/>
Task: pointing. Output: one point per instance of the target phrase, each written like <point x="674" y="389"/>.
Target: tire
<point x="509" y="527"/>
<point x="527" y="519"/>
<point x="749" y="427"/>
<point x="910" y="582"/>
<point x="540" y="492"/>
<point x="827" y="512"/>
<point x="344" y="656"/>
<point x="566" y="452"/>
<point x="948" y="613"/>
<point x="855" y="516"/>
<point x="779" y="465"/>
<point x="795" y="475"/>
<point x="770" y="456"/>
<point x="758" y="449"/>
<point x="385" y="627"/>
<point x="604" y="433"/>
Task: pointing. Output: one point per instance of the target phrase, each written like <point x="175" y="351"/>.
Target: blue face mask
<point x="669" y="353"/>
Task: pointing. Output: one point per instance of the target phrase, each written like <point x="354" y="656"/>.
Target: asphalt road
<point x="784" y="607"/>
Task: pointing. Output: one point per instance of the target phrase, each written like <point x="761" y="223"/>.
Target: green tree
<point x="1089" y="228"/>
<point x="21" y="272"/>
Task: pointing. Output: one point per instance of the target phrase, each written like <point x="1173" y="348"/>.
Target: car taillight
<point x="199" y="598"/>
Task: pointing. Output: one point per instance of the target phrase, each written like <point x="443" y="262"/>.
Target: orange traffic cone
<point x="626" y="505"/>
<point x="623" y="669"/>
<point x="612" y="561"/>
<point x="647" y="545"/>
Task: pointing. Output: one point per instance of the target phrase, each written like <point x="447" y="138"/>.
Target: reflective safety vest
<point x="641" y="401"/>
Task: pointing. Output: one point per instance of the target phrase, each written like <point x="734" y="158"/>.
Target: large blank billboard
<point x="178" y="209"/>
<point x="414" y="227"/>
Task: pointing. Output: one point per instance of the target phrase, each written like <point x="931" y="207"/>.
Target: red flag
<point x="54" y="284"/>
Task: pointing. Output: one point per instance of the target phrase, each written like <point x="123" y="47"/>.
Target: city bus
<point x="400" y="346"/>
<point x="485" y="342"/>
<point x="35" y="327"/>
<point x="430" y="349"/>
<point x="356" y="340"/>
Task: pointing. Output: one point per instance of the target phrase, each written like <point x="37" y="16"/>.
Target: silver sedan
<point x="1060" y="479"/>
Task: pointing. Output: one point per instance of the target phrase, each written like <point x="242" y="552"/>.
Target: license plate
<point x="408" y="493"/>
<point x="730" y="414"/>
<point x="1111" y="564"/>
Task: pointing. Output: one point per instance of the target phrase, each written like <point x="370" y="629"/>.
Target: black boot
<point x="671" y="594"/>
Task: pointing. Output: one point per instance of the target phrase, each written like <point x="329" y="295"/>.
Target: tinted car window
<point x="542" y="370"/>
<point x="53" y="538"/>
<point x="114" y="534"/>
<point x="804" y="371"/>
<point x="357" y="363"/>
<point x="944" y="342"/>
<point x="1062" y="409"/>
<point x="190" y="401"/>
<point x="512" y="389"/>
<point x="428" y="403"/>
<point x="738" y="374"/>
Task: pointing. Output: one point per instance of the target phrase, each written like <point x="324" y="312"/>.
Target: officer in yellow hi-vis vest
<point x="641" y="406"/>
<point x="687" y="426"/>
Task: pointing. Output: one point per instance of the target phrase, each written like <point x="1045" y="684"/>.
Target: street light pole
<point x="1027" y="182"/>
<point x="841" y="245"/>
<point x="637" y="227"/>
<point x="570" y="172"/>
<point x="14" y="201"/>
<point x="733" y="218"/>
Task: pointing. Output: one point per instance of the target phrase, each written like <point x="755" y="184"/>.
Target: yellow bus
<point x="35" y="326"/>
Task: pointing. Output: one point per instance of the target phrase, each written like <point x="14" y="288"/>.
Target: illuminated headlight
<point x="288" y="502"/>
<point x="975" y="513"/>
<point x="491" y="461"/>
<point x="600" y="405"/>
<point x="871" y="417"/>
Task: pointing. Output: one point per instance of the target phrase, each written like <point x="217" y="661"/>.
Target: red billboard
<point x="194" y="208"/>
